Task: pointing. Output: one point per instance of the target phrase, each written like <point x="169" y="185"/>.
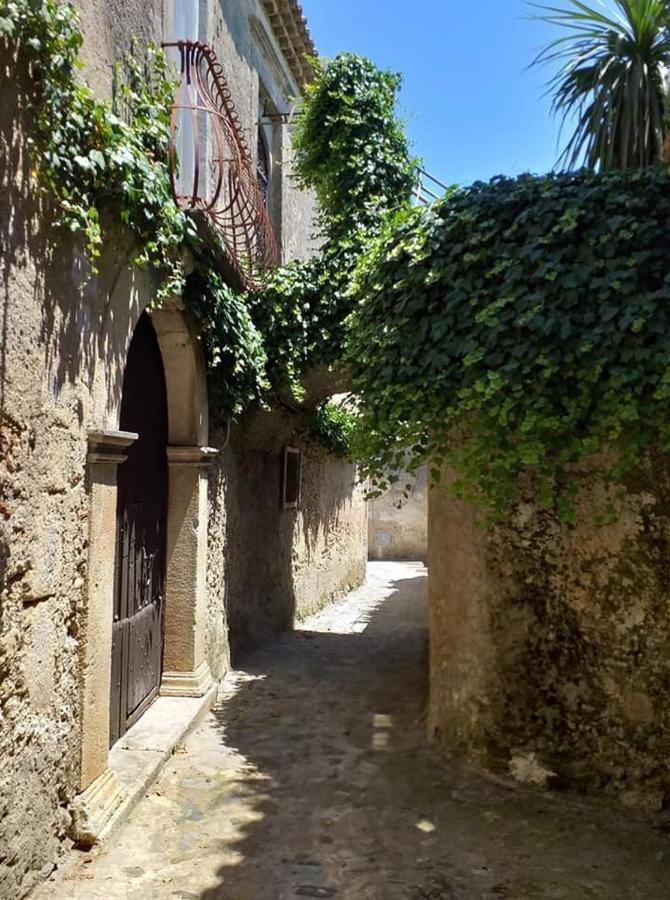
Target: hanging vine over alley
<point x="258" y="381"/>
<point x="93" y="163"/>
<point x="516" y="330"/>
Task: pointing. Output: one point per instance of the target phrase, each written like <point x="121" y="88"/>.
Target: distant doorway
<point x="141" y="523"/>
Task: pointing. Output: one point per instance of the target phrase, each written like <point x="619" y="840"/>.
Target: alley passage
<point x="313" y="778"/>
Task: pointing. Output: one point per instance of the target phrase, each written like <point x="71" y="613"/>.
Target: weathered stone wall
<point x="273" y="566"/>
<point x="62" y="347"/>
<point x="398" y="525"/>
<point x="61" y="363"/>
<point x="63" y="341"/>
<point x="550" y="644"/>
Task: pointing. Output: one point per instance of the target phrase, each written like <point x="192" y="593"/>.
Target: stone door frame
<point x="186" y="672"/>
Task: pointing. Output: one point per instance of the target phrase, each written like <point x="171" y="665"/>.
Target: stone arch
<point x="186" y="672"/>
<point x="185" y="377"/>
<point x="185" y="669"/>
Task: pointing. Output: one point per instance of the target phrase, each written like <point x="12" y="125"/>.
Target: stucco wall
<point x="61" y="364"/>
<point x="273" y="566"/>
<point x="108" y="26"/>
<point x="398" y="525"/>
<point x="555" y="641"/>
<point x="250" y="54"/>
<point x="63" y="341"/>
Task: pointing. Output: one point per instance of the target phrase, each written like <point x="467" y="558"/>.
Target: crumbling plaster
<point x="64" y="338"/>
<point x="550" y="643"/>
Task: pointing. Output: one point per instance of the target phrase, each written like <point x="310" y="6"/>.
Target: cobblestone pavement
<point x="313" y="778"/>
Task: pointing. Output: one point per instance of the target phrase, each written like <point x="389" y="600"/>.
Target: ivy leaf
<point x="83" y="162"/>
<point x="97" y="157"/>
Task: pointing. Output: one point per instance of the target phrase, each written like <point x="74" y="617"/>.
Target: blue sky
<point x="473" y="110"/>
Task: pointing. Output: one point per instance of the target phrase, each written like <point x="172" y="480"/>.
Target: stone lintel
<point x="191" y="456"/>
<point x="187" y="684"/>
<point x="109" y="446"/>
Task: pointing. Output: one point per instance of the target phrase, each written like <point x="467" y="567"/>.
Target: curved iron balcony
<point x="211" y="167"/>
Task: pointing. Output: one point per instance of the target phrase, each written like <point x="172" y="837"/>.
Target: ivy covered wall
<point x="517" y="328"/>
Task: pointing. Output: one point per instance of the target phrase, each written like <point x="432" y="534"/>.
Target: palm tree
<point x="611" y="82"/>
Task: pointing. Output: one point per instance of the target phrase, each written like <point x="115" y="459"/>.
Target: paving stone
<point x="307" y="890"/>
<point x="314" y="773"/>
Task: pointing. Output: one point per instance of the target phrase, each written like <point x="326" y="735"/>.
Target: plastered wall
<point x="550" y="644"/>
<point x="398" y="521"/>
<point x="63" y="340"/>
<point x="273" y="566"/>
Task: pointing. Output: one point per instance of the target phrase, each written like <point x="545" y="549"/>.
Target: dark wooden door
<point x="137" y="634"/>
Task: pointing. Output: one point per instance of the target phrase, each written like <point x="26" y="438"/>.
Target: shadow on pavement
<point x="346" y="798"/>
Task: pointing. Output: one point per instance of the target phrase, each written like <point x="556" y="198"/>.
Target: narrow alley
<point x="313" y="778"/>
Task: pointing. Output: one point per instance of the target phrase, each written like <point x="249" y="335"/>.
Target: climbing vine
<point x="88" y="158"/>
<point x="233" y="344"/>
<point x="516" y="329"/>
<point x="512" y="330"/>
<point x="352" y="152"/>
<point x="351" y="148"/>
<point x="100" y="161"/>
<point x="332" y="424"/>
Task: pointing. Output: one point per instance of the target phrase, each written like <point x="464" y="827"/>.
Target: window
<point x="270" y="150"/>
<point x="292" y="476"/>
<point x="263" y="166"/>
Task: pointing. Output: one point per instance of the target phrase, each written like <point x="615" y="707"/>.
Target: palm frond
<point x="610" y="79"/>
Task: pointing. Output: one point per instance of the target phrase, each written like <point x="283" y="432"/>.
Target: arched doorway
<point x="141" y="522"/>
<point x="147" y="596"/>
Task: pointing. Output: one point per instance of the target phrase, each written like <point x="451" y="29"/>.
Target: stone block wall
<point x="60" y="377"/>
<point x="63" y="336"/>
<point x="63" y="340"/>
<point x="270" y="567"/>
<point x="398" y="525"/>
<point x="550" y="644"/>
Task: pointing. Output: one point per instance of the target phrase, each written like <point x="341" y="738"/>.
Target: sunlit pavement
<point x="314" y="778"/>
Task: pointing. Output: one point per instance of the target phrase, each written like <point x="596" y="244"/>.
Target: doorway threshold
<point x="138" y="757"/>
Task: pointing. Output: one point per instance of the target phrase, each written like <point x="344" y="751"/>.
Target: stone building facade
<point x="239" y="563"/>
<point x="549" y="642"/>
<point x="398" y="521"/>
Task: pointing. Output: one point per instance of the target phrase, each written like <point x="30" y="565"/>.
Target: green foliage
<point x="233" y="345"/>
<point x="302" y="312"/>
<point x="611" y="84"/>
<point x="94" y="159"/>
<point x="351" y="150"/>
<point x="88" y="158"/>
<point x="515" y="329"/>
<point x="350" y="147"/>
<point x="332" y="425"/>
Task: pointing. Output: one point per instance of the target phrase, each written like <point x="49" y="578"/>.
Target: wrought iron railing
<point x="211" y="167"/>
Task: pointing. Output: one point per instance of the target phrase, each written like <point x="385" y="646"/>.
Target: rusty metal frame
<point x="232" y="198"/>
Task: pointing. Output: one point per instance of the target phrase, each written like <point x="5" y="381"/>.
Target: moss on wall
<point x="554" y="640"/>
